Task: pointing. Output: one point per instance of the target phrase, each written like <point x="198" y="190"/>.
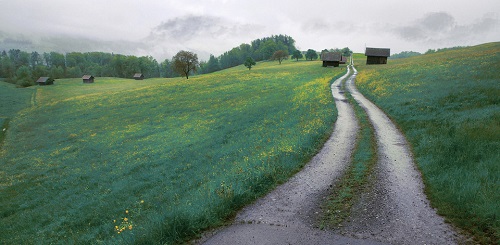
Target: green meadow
<point x="12" y="100"/>
<point x="159" y="160"/>
<point x="448" y="106"/>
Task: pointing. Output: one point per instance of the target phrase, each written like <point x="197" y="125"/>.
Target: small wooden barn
<point x="88" y="79"/>
<point x="343" y="60"/>
<point x="377" y="55"/>
<point x="331" y="59"/>
<point x="45" y="81"/>
<point x="138" y="76"/>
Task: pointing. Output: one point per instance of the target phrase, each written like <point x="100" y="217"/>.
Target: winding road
<point x="393" y="211"/>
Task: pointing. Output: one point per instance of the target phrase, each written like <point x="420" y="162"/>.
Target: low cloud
<point x="68" y="43"/>
<point x="320" y="26"/>
<point x="202" y="34"/>
<point x="441" y="27"/>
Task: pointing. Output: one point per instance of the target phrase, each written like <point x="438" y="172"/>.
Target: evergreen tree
<point x="249" y="62"/>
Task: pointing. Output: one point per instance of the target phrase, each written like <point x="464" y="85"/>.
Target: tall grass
<point x="448" y="105"/>
<point x="156" y="161"/>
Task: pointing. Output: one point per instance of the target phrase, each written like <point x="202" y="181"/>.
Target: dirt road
<point x="394" y="211"/>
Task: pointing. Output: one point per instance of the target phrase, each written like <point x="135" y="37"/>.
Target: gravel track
<point x="284" y="216"/>
<point x="393" y="211"/>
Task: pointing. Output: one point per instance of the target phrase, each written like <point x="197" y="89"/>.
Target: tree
<point x="280" y="55"/>
<point x="35" y="59"/>
<point x="297" y="55"/>
<point x="24" y="77"/>
<point x="249" y="62"/>
<point x="185" y="62"/>
<point x="267" y="49"/>
<point x="212" y="65"/>
<point x="166" y="69"/>
<point x="346" y="52"/>
<point x="311" y="54"/>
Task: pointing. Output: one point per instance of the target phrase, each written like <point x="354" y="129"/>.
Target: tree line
<point x="23" y="68"/>
<point x="258" y="50"/>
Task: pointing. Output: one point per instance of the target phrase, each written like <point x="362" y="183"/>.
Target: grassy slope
<point x="12" y="100"/>
<point x="157" y="160"/>
<point x="448" y="105"/>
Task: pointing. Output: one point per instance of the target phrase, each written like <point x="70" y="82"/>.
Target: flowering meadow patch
<point x="194" y="150"/>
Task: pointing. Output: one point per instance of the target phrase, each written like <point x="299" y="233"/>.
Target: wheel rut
<point x="395" y="208"/>
<point x="394" y="211"/>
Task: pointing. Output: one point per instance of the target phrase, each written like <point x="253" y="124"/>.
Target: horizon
<point x="216" y="26"/>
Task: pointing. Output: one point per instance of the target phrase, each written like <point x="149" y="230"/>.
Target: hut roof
<point x="331" y="56"/>
<point x="380" y="52"/>
<point x="87" y="76"/>
<point x="43" y="79"/>
<point x="138" y="75"/>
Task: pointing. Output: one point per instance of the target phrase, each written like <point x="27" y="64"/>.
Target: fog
<point x="161" y="28"/>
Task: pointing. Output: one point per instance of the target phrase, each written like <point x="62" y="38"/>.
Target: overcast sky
<point x="162" y="27"/>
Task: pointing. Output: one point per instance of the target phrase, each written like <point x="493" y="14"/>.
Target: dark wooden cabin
<point x="343" y="60"/>
<point x="138" y="76"/>
<point x="331" y="59"/>
<point x="88" y="79"/>
<point x="377" y="55"/>
<point x="45" y="81"/>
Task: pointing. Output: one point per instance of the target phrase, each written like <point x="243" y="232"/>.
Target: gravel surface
<point x="393" y="211"/>
<point x="285" y="216"/>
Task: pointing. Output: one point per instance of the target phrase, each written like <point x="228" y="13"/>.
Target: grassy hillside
<point x="153" y="161"/>
<point x="12" y="100"/>
<point x="448" y="105"/>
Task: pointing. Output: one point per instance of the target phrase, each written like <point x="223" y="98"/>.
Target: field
<point x="12" y="100"/>
<point x="448" y="106"/>
<point x="156" y="161"/>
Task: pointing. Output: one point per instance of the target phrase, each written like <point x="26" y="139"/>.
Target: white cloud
<point x="441" y="28"/>
<point x="162" y="27"/>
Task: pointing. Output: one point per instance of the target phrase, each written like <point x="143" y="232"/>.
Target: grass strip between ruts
<point x="338" y="205"/>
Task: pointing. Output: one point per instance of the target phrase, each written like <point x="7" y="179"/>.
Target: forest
<point x="23" y="68"/>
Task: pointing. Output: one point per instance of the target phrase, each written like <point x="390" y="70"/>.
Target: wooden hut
<point x="343" y="60"/>
<point x="377" y="55"/>
<point x="138" y="76"/>
<point x="45" y="81"/>
<point x="331" y="59"/>
<point x="88" y="79"/>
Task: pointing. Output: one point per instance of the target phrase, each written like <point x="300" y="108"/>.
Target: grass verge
<point x="448" y="106"/>
<point x="338" y="204"/>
